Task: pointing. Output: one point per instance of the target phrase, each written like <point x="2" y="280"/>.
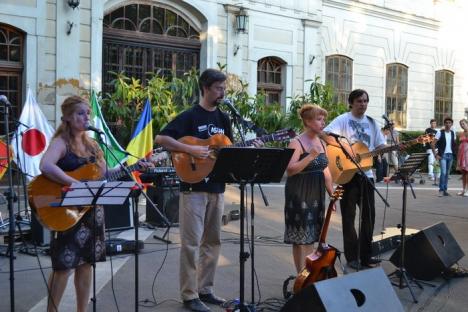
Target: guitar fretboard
<point x="264" y="138"/>
<point x="388" y="149"/>
<point x="113" y="176"/>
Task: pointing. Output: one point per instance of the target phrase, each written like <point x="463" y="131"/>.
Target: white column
<point x="312" y="55"/>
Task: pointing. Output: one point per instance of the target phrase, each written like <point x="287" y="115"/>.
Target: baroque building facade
<point x="406" y="54"/>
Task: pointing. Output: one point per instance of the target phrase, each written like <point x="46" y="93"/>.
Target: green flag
<point x="112" y="145"/>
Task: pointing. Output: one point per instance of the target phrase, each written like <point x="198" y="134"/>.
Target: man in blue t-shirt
<point x="201" y="204"/>
<point x="356" y="126"/>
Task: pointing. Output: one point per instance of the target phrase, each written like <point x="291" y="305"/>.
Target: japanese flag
<point x="31" y="138"/>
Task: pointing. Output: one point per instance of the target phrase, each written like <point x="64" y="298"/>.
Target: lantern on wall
<point x="73" y="3"/>
<point x="242" y="21"/>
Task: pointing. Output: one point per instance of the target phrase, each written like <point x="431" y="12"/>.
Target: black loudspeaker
<point x="429" y="252"/>
<point x="119" y="217"/>
<point x="166" y="199"/>
<point x="365" y="291"/>
<point x="39" y="234"/>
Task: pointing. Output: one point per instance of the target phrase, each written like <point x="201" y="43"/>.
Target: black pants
<point x="381" y="167"/>
<point x="350" y="200"/>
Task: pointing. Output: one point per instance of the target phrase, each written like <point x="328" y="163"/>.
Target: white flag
<point x="32" y="137"/>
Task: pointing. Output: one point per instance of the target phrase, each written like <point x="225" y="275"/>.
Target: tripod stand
<point x="403" y="174"/>
<point x="248" y="166"/>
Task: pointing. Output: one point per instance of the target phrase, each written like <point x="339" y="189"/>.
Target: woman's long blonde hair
<point x="69" y="106"/>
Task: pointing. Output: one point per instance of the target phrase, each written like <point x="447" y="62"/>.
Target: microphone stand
<point x="367" y="180"/>
<point x="135" y="217"/>
<point x="11" y="197"/>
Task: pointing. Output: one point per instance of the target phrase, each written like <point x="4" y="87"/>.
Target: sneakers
<point x="196" y="305"/>
<point x="465" y="194"/>
<point x="211" y="298"/>
<point x="371" y="263"/>
<point x="441" y="194"/>
<point x="446" y="193"/>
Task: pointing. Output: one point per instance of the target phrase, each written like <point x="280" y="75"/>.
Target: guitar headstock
<point x="283" y="134"/>
<point x="425" y="138"/>
<point x="338" y="193"/>
<point x="159" y="155"/>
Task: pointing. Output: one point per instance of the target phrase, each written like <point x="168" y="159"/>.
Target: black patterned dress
<point x="305" y="202"/>
<point x="73" y="247"/>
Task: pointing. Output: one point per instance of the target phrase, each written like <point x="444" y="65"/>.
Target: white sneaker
<point x="465" y="194"/>
<point x="441" y="194"/>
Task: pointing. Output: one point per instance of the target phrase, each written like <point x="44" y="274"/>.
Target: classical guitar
<point x="44" y="195"/>
<point x="192" y="170"/>
<point x="342" y="169"/>
<point x="320" y="264"/>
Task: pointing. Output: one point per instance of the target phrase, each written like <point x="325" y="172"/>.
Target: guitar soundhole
<point x="358" y="296"/>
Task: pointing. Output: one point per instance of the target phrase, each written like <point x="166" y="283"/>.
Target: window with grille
<point x="143" y="40"/>
<point x="339" y="74"/>
<point x="11" y="70"/>
<point x="269" y="78"/>
<point x="396" y="93"/>
<point x="443" y="95"/>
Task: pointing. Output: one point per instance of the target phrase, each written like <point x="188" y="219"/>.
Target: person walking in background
<point x="392" y="137"/>
<point x="462" y="157"/>
<point x="308" y="179"/>
<point x="430" y="154"/>
<point x="446" y="149"/>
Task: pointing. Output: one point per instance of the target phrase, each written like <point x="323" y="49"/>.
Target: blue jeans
<point x="445" y="166"/>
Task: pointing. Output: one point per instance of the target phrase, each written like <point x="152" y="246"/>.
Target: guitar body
<point x="43" y="192"/>
<point x="342" y="169"/>
<point x="191" y="169"/>
<point x="319" y="266"/>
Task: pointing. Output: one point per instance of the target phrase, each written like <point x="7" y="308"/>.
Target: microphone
<point x="91" y="128"/>
<point x="336" y="136"/>
<point x="229" y="104"/>
<point x="387" y="121"/>
<point x="4" y="100"/>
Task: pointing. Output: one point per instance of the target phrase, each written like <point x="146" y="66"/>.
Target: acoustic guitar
<point x="320" y="264"/>
<point x="342" y="169"/>
<point x="44" y="195"/>
<point x="192" y="170"/>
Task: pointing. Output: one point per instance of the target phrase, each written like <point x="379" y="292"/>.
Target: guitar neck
<point x="326" y="222"/>
<point x="113" y="176"/>
<point x="264" y="138"/>
<point x="387" y="149"/>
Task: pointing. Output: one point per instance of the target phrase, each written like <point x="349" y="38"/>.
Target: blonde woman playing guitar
<point x="70" y="149"/>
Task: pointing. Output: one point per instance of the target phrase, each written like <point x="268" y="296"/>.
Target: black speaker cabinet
<point x="39" y="234"/>
<point x="429" y="252"/>
<point x="119" y="217"/>
<point x="166" y="199"/>
<point x="364" y="291"/>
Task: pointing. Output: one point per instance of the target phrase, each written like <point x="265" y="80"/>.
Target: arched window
<point x="339" y="74"/>
<point x="269" y="78"/>
<point x="11" y="69"/>
<point x="142" y="39"/>
<point x="396" y="93"/>
<point x="443" y="95"/>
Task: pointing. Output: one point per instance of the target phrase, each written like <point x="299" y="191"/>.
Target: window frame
<point x="396" y="93"/>
<point x="271" y="67"/>
<point x="443" y="95"/>
<point x="340" y="80"/>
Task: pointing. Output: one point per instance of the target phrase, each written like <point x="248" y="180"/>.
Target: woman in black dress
<point x="308" y="179"/>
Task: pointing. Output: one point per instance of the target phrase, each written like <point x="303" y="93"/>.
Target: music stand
<point x="94" y="193"/>
<point x="404" y="173"/>
<point x="244" y="165"/>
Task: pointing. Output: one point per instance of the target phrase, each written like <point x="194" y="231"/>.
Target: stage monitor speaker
<point x="39" y="234"/>
<point x="119" y="217"/>
<point x="166" y="199"/>
<point x="429" y="252"/>
<point x="364" y="291"/>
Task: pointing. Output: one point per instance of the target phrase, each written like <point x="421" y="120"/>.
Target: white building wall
<point x="374" y="37"/>
<point x="300" y="32"/>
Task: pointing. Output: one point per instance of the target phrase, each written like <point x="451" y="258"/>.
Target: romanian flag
<point x="141" y="142"/>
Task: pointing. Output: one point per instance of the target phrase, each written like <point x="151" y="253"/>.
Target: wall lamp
<point x="73" y="3"/>
<point x="242" y="21"/>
